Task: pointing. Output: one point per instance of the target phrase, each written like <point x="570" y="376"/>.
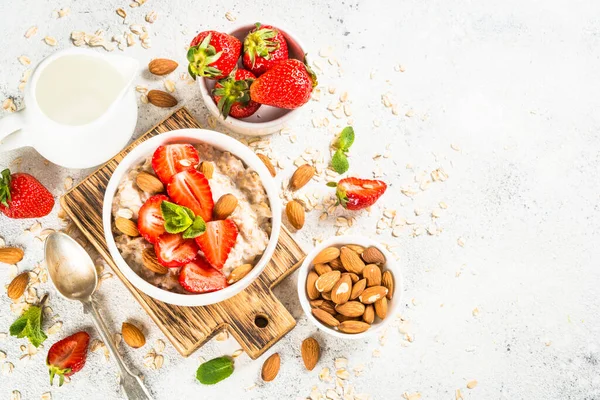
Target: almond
<point x="311" y="351"/>
<point x="207" y="168"/>
<point x="351" y="309"/>
<point x="17" y="286"/>
<point x="356" y="248"/>
<point x="132" y="335"/>
<point x="353" y="326"/>
<point x="355" y="278"/>
<point x="267" y="163"/>
<point x="340" y="293"/>
<point x="295" y="214"/>
<point x="326" y="295"/>
<point x="270" y="368"/>
<point x="387" y="280"/>
<point x="127" y="226"/>
<point x="369" y="314"/>
<point x="381" y="307"/>
<point x="225" y="206"/>
<point x="373" y="255"/>
<point x="372" y="274"/>
<point x="239" y="272"/>
<point x="301" y="176"/>
<point x="161" y="99"/>
<point x="328" y="306"/>
<point x="149" y="183"/>
<point x="351" y="261"/>
<point x="372" y="294"/>
<point x="11" y="255"/>
<point x="343" y="318"/>
<point x="325" y="317"/>
<point x="326" y="255"/>
<point x="358" y="288"/>
<point x="336" y="264"/>
<point x="151" y="262"/>
<point x="322" y="268"/>
<point x="311" y="289"/>
<point x="327" y="281"/>
<point x="162" y="66"/>
<point x="316" y="303"/>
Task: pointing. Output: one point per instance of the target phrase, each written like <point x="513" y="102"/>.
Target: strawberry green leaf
<point x="177" y="218"/>
<point x="331" y="184"/>
<point x="197" y="228"/>
<point x="339" y="162"/>
<point x="346" y="139"/>
<point x="5" y="187"/>
<point x="215" y="370"/>
<point x="29" y="325"/>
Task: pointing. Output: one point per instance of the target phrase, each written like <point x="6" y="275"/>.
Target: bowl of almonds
<point x="349" y="286"/>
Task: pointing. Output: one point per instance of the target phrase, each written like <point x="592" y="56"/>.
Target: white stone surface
<point x="514" y="84"/>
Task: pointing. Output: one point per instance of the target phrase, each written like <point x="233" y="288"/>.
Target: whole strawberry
<point x="356" y="193"/>
<point x="288" y="84"/>
<point x="264" y="46"/>
<point x="23" y="196"/>
<point x="67" y="356"/>
<point x="213" y="55"/>
<point x="232" y="95"/>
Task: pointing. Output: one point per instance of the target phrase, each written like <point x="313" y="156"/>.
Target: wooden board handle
<point x="257" y="320"/>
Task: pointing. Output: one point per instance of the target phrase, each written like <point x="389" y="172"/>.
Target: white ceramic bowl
<point x="221" y="142"/>
<point x="267" y="119"/>
<point x="338" y="241"/>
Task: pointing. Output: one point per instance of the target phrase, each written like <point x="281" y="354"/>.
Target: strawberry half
<point x="67" y="356"/>
<point x="150" y="219"/>
<point x="191" y="189"/>
<point x="173" y="158"/>
<point x="217" y="241"/>
<point x="23" y="196"/>
<point x="232" y="95"/>
<point x="264" y="46"/>
<point x="213" y="55"/>
<point x="173" y="251"/>
<point x="198" y="276"/>
<point x="356" y="193"/>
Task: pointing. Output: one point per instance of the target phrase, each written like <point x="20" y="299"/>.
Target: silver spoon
<point x="73" y="273"/>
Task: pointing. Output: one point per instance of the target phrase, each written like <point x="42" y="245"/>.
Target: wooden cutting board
<point x="188" y="328"/>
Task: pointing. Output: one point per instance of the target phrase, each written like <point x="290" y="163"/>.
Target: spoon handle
<point x="132" y="384"/>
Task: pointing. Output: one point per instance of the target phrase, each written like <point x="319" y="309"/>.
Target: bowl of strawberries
<point x="253" y="79"/>
<point x="191" y="217"/>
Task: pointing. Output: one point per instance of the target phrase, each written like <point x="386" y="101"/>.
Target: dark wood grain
<point x="188" y="328"/>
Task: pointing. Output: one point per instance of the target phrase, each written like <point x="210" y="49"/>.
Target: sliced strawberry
<point x="198" y="276"/>
<point x="67" y="356"/>
<point x="217" y="241"/>
<point x="356" y="193"/>
<point x="150" y="220"/>
<point x="191" y="189"/>
<point x="172" y="250"/>
<point x="173" y="158"/>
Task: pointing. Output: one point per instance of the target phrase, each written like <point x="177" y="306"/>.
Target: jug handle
<point x="12" y="135"/>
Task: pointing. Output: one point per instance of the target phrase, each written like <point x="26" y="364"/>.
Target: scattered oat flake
<point x="455" y="147"/>
<point x="46" y="396"/>
<point x="458" y="395"/>
<point x="9" y="105"/>
<point x="170" y="85"/>
<point x="461" y="242"/>
<point x="7" y="368"/>
<point x="15" y="395"/>
<point x="230" y="16"/>
<point x="121" y="13"/>
<point x="68" y="183"/>
<point x="63" y="12"/>
<point x="222" y="336"/>
<point x="413" y="396"/>
<point x="475" y="312"/>
<point x="24" y="60"/>
<point x="151" y="17"/>
<point x="237" y="353"/>
<point x="31" y="31"/>
<point x="471" y="384"/>
<point x="159" y="345"/>
<point x="50" y="41"/>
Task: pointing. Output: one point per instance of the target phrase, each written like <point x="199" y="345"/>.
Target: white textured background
<point x="514" y="84"/>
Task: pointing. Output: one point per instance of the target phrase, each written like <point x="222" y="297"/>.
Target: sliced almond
<point x="207" y="168"/>
<point x="301" y="176"/>
<point x="351" y="309"/>
<point x="295" y="214"/>
<point x="132" y="335"/>
<point x="325" y="317"/>
<point x="372" y="274"/>
<point x="267" y="163"/>
<point x="387" y="280"/>
<point x="351" y="261"/>
<point x="11" y="255"/>
<point x="381" y="307"/>
<point x="327" y="281"/>
<point x="127" y="226"/>
<point x="239" y="272"/>
<point x="372" y="294"/>
<point x="17" y="286"/>
<point x="353" y="327"/>
<point x="340" y="293"/>
<point x="311" y="289"/>
<point x="326" y="255"/>
<point x="369" y="314"/>
<point x="322" y="269"/>
<point x="151" y="262"/>
<point x="149" y="183"/>
<point x="373" y="255"/>
<point x="225" y="206"/>
<point x="358" y="288"/>
<point x="311" y="352"/>
<point x="162" y="66"/>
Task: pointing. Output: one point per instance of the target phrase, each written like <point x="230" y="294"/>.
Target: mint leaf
<point x="339" y="162"/>
<point x="346" y="138"/>
<point x="215" y="370"/>
<point x="29" y="325"/>
<point x="197" y="228"/>
<point x="177" y="218"/>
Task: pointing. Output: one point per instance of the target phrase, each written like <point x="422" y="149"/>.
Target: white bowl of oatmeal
<point x="237" y="171"/>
